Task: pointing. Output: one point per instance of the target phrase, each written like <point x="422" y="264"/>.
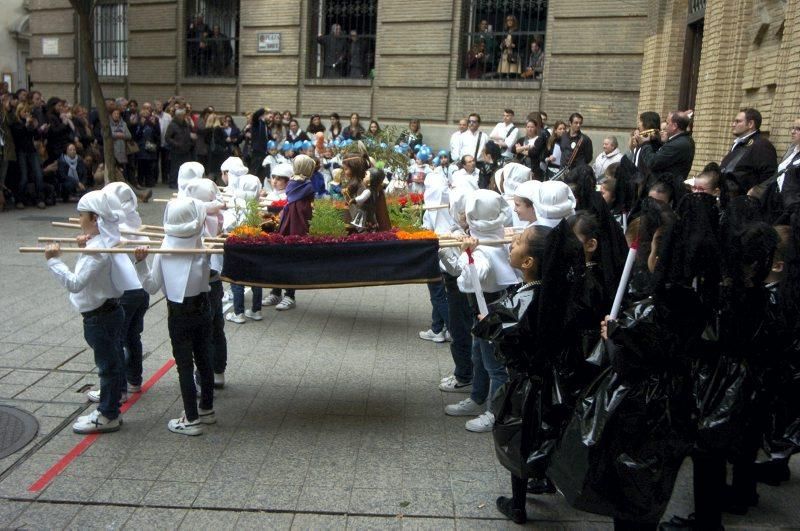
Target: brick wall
<point x="593" y="64"/>
<point x="749" y="58"/>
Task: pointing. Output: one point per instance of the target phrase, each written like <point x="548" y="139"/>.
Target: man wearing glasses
<point x="752" y="158"/>
<point x="473" y="139"/>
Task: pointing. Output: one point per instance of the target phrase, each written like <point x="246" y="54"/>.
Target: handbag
<point x="150" y="146"/>
<point x="131" y="147"/>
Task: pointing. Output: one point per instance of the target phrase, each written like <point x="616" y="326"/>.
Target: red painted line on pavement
<point x="88" y="440"/>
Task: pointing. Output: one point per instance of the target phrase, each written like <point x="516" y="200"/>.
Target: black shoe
<point x="773" y="473"/>
<point x="541" y="486"/>
<point x="506" y="506"/>
<point x="684" y="523"/>
<point x="738" y="504"/>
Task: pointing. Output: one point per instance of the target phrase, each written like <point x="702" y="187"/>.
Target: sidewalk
<point x="330" y="418"/>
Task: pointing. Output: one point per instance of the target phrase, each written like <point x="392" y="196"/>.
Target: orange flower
<point x="417" y="235"/>
<point x="245" y="231"/>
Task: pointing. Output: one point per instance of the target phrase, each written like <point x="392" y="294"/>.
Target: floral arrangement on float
<point x="328" y="225"/>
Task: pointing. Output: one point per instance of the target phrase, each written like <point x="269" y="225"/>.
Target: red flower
<point x="403" y="201"/>
<point x="417" y="198"/>
<point x="280" y="203"/>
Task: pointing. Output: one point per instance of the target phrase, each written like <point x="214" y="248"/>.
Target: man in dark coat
<point x="180" y="140"/>
<point x="357" y="55"/>
<point x="676" y="154"/>
<point x="574" y="140"/>
<point x="335" y="48"/>
<point x="752" y="158"/>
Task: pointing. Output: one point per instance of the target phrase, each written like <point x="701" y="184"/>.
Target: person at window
<point x="196" y="47"/>
<point x="535" y="61"/>
<point x="147" y="134"/>
<point x="489" y="40"/>
<point x="315" y="125"/>
<point x="220" y="52"/>
<point x="357" y="55"/>
<point x="509" y="53"/>
<point x="73" y="178"/>
<point x="477" y="61"/>
<point x="411" y="136"/>
<point x="335" y="129"/>
<point x="295" y="134"/>
<point x="505" y="133"/>
<point x="455" y="139"/>
<point x="354" y="131"/>
<point x="335" y="48"/>
<point x="575" y="141"/>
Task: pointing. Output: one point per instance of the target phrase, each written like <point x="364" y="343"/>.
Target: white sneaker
<point x="205" y="416"/>
<point x="287" y="303"/>
<point x="237" y="318"/>
<point x="481" y="424"/>
<point x="184" y="427"/>
<point x="95" y="422"/>
<point x="255" y="316"/>
<point x="465" y="408"/>
<point x="227" y="296"/>
<point x="429" y="335"/>
<point x="447" y="336"/>
<point x="94" y="396"/>
<point x="219" y="380"/>
<point x="452" y="385"/>
<point x="271" y="300"/>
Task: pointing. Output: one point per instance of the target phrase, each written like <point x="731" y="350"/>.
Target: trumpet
<point x="648" y="132"/>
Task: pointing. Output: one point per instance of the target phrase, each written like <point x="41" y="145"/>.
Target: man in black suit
<point x="752" y="158"/>
<point x="676" y="154"/>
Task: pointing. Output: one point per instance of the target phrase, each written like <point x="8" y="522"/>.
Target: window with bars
<point x="503" y="39"/>
<point x="110" y="38"/>
<point x="212" y="38"/>
<point x="342" y="38"/>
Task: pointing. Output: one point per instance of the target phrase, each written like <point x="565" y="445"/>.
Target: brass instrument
<point x="649" y="132"/>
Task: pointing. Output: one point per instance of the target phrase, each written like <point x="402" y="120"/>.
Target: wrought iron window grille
<point x="342" y="39"/>
<point x="110" y="38"/>
<point x="212" y="38"/>
<point x="498" y="39"/>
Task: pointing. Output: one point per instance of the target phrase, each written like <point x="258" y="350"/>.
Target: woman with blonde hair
<point x="216" y="142"/>
<point x="509" y="55"/>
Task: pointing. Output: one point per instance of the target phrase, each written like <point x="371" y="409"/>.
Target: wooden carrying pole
<point x="121" y="250"/>
<point x="133" y="232"/>
<point x="145" y="227"/>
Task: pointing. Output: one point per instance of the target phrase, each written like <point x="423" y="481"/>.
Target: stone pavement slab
<point x="330" y="419"/>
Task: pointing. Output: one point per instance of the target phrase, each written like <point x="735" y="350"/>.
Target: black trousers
<point x="189" y="325"/>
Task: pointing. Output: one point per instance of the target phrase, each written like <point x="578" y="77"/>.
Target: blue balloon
<point x="444" y="153"/>
<point x="287" y="146"/>
<point x="271" y="145"/>
<point x="418" y="148"/>
<point x="297" y="146"/>
<point x="306" y="144"/>
<point x="436" y="161"/>
<point x="423" y="156"/>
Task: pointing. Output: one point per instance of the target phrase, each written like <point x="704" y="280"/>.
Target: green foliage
<point x="408" y="218"/>
<point x="327" y="219"/>
<point x="386" y="157"/>
<point x="250" y="213"/>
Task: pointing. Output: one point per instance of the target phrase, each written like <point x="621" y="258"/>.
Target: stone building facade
<point x="593" y="61"/>
<point x="747" y="55"/>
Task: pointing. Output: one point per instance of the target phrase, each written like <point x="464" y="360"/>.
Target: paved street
<point x="330" y="418"/>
